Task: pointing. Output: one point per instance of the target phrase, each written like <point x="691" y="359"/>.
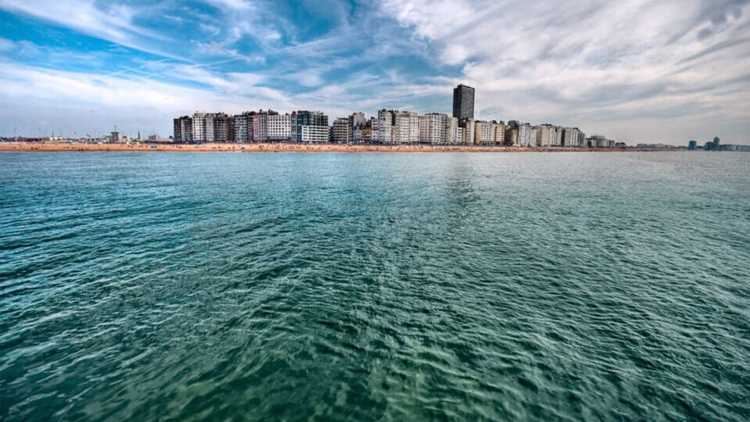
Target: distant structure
<point x="599" y="141"/>
<point x="712" y="145"/>
<point x="463" y="102"/>
<point x="692" y="145"/>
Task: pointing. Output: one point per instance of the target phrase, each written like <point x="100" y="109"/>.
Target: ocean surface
<point x="531" y="286"/>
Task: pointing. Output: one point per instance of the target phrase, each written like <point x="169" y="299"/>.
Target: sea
<point x="375" y="286"/>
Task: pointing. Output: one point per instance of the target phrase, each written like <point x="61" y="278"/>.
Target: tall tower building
<point x="463" y="102"/>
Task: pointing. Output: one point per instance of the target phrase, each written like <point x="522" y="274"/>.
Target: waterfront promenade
<point x="277" y="147"/>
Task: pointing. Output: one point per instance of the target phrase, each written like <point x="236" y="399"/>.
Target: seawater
<point x="581" y="286"/>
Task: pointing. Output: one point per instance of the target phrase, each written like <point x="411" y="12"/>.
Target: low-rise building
<point x="313" y="134"/>
<point x="599" y="141"/>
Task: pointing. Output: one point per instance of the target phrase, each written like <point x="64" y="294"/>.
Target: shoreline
<point x="283" y="147"/>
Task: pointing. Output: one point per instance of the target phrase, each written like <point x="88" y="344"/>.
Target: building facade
<point x="499" y="129"/>
<point x="573" y="137"/>
<point x="548" y="136"/>
<point x="307" y="118"/>
<point x="511" y="133"/>
<point x="433" y="128"/>
<point x="223" y="128"/>
<point x="313" y="134"/>
<point x="463" y="102"/>
<point x="243" y="127"/>
<point x="183" y="130"/>
<point x="407" y="127"/>
<point x="398" y="127"/>
<point x="203" y="127"/>
<point x="483" y="133"/>
<point x="384" y="128"/>
<point x="454" y="132"/>
<point x="279" y="126"/>
<point x="469" y="128"/>
<point x="526" y="135"/>
<point x="599" y="141"/>
<point x="341" y="132"/>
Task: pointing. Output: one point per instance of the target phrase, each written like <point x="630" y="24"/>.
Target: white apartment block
<point x="526" y="135"/>
<point x="469" y="130"/>
<point x="484" y="133"/>
<point x="279" y="127"/>
<point x="454" y="135"/>
<point x="398" y="127"/>
<point x="385" y="127"/>
<point x="433" y="128"/>
<point x="314" y="133"/>
<point x="573" y="137"/>
<point x="547" y="136"/>
<point x="203" y="127"/>
<point x="407" y="127"/>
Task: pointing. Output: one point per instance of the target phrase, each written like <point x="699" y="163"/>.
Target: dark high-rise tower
<point x="463" y="102"/>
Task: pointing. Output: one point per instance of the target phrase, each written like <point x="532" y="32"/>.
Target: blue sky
<point x="636" y="70"/>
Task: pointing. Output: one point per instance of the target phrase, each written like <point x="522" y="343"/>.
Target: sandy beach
<point x="272" y="147"/>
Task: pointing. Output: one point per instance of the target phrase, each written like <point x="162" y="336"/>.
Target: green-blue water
<point x="553" y="286"/>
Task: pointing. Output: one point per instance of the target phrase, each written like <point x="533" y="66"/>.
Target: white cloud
<point x="114" y="23"/>
<point x="32" y="91"/>
<point x="573" y="62"/>
<point x="232" y="4"/>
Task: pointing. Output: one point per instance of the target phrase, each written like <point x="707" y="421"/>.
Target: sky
<point x="633" y="70"/>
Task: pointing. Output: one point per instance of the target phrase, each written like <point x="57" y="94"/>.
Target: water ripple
<point x="374" y="287"/>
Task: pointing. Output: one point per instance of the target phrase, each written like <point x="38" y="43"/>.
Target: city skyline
<point x="389" y="127"/>
<point x="637" y="71"/>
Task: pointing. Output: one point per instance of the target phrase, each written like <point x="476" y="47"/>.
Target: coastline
<point x="279" y="147"/>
